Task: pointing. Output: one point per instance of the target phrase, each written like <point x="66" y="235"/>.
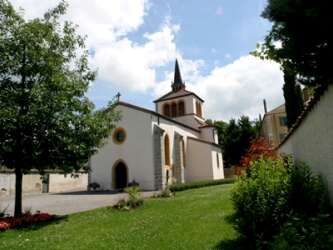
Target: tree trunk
<point x="18" y="192"/>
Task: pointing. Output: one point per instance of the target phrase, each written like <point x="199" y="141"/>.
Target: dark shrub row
<point x="199" y="184"/>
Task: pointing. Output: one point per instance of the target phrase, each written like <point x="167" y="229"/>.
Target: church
<point x="172" y="144"/>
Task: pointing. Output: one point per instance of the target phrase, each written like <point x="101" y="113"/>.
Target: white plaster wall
<point x="202" y="162"/>
<point x="208" y="134"/>
<point x="170" y="129"/>
<point x="217" y="165"/>
<point x="65" y="183"/>
<point x="286" y="148"/>
<point x="136" y="151"/>
<point x="189" y="120"/>
<point x="31" y="183"/>
<point x="312" y="142"/>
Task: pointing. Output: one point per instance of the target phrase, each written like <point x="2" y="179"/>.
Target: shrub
<point x="273" y="192"/>
<point x="94" y="186"/>
<point x="308" y="195"/>
<point x="259" y="148"/>
<point x="27" y="219"/>
<point x="134" y="196"/>
<point x="165" y="193"/>
<point x="314" y="233"/>
<point x="133" y="183"/>
<point x="134" y="199"/>
<point x="260" y="200"/>
<point x="199" y="184"/>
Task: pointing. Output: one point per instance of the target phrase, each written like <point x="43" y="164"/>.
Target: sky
<point x="133" y="45"/>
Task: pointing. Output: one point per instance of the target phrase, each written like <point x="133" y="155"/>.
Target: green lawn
<point x="195" y="219"/>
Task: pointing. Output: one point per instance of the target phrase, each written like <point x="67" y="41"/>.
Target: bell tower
<point x="180" y="104"/>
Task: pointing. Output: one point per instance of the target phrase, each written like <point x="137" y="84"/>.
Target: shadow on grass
<point x="40" y="225"/>
<point x="237" y="244"/>
<point x="234" y="244"/>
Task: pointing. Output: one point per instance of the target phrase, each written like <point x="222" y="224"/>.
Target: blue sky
<point x="134" y="43"/>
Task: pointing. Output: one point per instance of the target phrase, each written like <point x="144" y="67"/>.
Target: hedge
<point x="199" y="184"/>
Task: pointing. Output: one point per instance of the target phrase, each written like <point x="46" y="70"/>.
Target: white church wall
<point x="217" y="160"/>
<point x="188" y="120"/>
<point x="199" y="161"/>
<point x="136" y="151"/>
<point x="170" y="128"/>
<point x="208" y="134"/>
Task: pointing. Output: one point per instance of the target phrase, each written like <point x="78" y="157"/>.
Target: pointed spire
<point x="177" y="81"/>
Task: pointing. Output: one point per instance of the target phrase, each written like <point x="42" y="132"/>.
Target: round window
<point x="119" y="135"/>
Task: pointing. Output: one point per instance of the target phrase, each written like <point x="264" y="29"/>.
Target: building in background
<point x="274" y="125"/>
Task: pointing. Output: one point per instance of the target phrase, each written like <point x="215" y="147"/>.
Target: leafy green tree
<point x="293" y="97"/>
<point x="46" y="121"/>
<point x="235" y="138"/>
<point x="302" y="31"/>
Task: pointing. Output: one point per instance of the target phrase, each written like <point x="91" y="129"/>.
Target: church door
<point x="120" y="176"/>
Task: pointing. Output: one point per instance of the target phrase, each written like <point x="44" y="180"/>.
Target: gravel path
<point x="67" y="203"/>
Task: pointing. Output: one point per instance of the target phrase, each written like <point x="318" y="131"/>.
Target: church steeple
<point x="177" y="81"/>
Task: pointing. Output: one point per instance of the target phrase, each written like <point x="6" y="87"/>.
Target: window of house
<point x="167" y="150"/>
<point x="182" y="151"/>
<point x="283" y="120"/>
<point x="218" y="160"/>
<point x="181" y="108"/>
<point x="199" y="109"/>
<point x="119" y="135"/>
<point x="166" y="109"/>
<point x="173" y="109"/>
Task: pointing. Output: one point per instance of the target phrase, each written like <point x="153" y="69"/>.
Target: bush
<point x="260" y="200"/>
<point x="133" y="183"/>
<point x="94" y="186"/>
<point x="165" y="193"/>
<point x="27" y="219"/>
<point x="134" y="199"/>
<point x="134" y="196"/>
<point x="199" y="184"/>
<point x="273" y="192"/>
<point x="308" y="195"/>
<point x="314" y="233"/>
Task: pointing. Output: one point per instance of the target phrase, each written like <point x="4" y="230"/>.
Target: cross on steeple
<point x="177" y="81"/>
<point x="118" y="95"/>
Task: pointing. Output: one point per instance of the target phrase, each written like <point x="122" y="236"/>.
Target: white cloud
<point x="130" y="66"/>
<point x="120" y="61"/>
<point x="219" y="11"/>
<point x="235" y="89"/>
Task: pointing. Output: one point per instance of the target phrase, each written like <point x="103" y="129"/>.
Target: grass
<point x="194" y="219"/>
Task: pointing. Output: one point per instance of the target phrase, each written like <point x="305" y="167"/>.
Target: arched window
<point x="167" y="150"/>
<point x="199" y="109"/>
<point x="181" y="108"/>
<point x="166" y="109"/>
<point x="173" y="109"/>
<point x="182" y="151"/>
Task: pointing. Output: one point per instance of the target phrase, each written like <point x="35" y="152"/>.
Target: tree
<point x="235" y="138"/>
<point x="259" y="149"/>
<point x="46" y="121"/>
<point x="293" y="97"/>
<point x="300" y="36"/>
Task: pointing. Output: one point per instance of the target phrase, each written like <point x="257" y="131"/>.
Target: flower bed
<point x="26" y="220"/>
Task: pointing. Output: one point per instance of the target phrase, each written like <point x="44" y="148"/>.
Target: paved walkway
<point x="66" y="203"/>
